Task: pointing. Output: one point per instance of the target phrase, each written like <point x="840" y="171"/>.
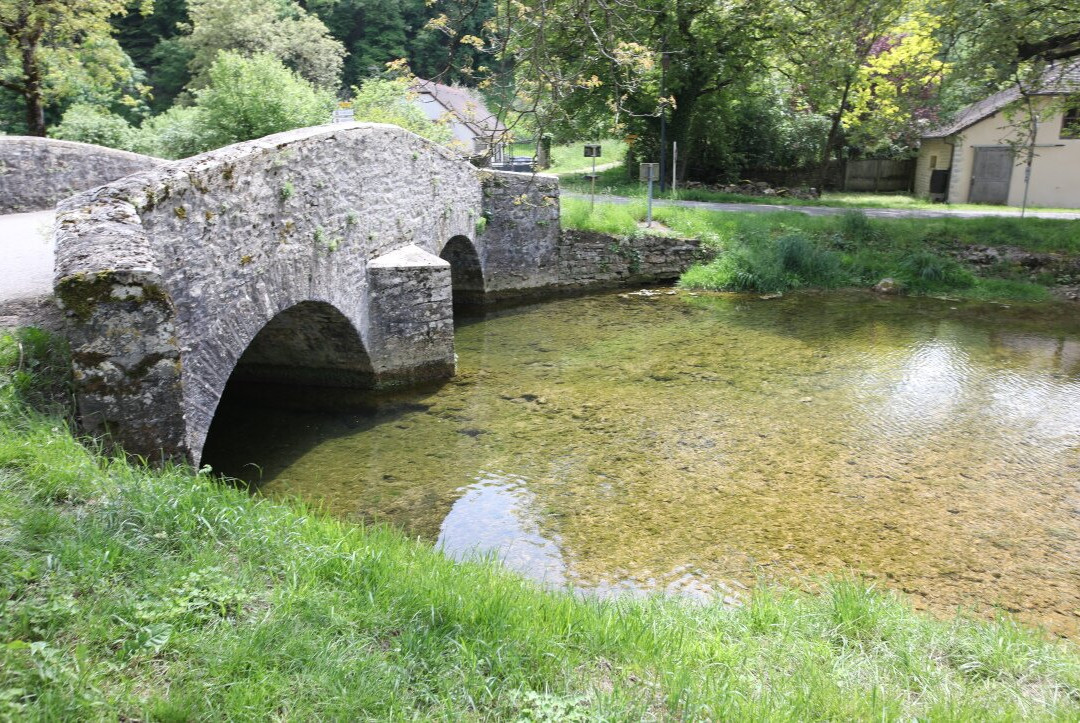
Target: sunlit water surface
<point x="696" y="444"/>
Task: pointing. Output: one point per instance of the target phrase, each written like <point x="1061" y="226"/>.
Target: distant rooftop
<point x="1056" y="81"/>
<point x="469" y="115"/>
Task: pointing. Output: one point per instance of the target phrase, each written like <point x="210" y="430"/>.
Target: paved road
<point x="26" y="255"/>
<point x="831" y="210"/>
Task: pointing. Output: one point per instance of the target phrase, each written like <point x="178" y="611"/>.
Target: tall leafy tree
<point x="279" y="28"/>
<point x="52" y="50"/>
<point x="150" y="36"/>
<point x="823" y="49"/>
<point x="376" y="32"/>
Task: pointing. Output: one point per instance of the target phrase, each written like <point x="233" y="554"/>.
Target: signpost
<point x="649" y="172"/>
<point x="343" y="115"/>
<point x="592" y="150"/>
<point x="674" y="165"/>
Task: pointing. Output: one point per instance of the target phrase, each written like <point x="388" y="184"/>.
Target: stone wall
<point x="170" y="274"/>
<point x="519" y="245"/>
<point x="37" y="173"/>
<point x="589" y="260"/>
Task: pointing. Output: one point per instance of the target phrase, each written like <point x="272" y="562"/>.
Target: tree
<point x="279" y="28"/>
<point x="376" y="32"/>
<point x="87" y="123"/>
<point x="999" y="35"/>
<point x="150" y="37"/>
<point x="253" y="97"/>
<point x="895" y="91"/>
<point x="53" y="49"/>
<point x="823" y="48"/>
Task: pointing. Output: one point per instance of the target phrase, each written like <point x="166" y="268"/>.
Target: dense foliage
<point x="735" y="86"/>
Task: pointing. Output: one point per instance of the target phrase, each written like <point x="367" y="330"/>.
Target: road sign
<point x="592" y="150"/>
<point x="343" y="115"/>
<point x="649" y="172"/>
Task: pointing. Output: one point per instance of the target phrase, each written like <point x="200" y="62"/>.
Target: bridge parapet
<point x="36" y="173"/>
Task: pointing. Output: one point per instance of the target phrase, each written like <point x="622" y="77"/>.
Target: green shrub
<point x="177" y="133"/>
<point x="35" y="371"/>
<point x="87" y="123"/>
<point x="254" y="97"/>
<point x="766" y="265"/>
<point x="856" y="227"/>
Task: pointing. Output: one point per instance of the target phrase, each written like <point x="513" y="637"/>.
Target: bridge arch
<point x="466" y="270"/>
<point x="310" y="343"/>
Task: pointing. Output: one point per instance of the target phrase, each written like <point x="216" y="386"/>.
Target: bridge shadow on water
<point x="261" y="429"/>
<point x="263" y="426"/>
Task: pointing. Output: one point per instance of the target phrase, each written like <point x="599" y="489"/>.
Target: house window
<point x="1070" y="123"/>
<point x="933" y="162"/>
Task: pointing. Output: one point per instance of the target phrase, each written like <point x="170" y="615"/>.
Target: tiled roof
<point x="1056" y="81"/>
<point x="465" y="104"/>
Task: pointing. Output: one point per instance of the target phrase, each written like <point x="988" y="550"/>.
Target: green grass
<point x="615" y="182"/>
<point x="130" y="593"/>
<point x="570" y="158"/>
<point x="759" y="252"/>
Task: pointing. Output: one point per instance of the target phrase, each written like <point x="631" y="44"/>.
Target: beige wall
<point x="934" y="154"/>
<point x="1055" y="174"/>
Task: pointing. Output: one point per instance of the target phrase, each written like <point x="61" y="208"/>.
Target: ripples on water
<point x="696" y="444"/>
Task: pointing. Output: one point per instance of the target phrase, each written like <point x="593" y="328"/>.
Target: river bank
<point x="989" y="259"/>
<point x="163" y="594"/>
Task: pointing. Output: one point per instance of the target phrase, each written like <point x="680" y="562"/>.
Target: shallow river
<point x="699" y="443"/>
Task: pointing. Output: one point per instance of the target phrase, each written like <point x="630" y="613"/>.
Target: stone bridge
<point x="328" y="255"/>
<point x="324" y="256"/>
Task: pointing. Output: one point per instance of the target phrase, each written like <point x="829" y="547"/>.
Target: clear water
<point x="696" y="444"/>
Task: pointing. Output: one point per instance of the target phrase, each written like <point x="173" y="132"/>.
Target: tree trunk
<point x="35" y="106"/>
<point x="834" y="135"/>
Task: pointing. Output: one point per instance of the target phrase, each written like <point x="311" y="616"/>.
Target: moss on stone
<point x="81" y="293"/>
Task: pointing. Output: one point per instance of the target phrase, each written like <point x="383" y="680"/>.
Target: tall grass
<point x="130" y="593"/>
<point x="780" y="251"/>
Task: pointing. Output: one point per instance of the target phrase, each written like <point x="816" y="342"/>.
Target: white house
<point x="981" y="156"/>
<point x="477" y="131"/>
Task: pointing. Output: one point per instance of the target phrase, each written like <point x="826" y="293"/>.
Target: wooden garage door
<point x="990" y="175"/>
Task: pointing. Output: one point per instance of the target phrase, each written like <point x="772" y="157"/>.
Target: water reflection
<point x="694" y="444"/>
<point x="496" y="516"/>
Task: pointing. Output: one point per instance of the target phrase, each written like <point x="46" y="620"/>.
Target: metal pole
<point x="592" y="201"/>
<point x="649" y="216"/>
<point x="663" y="112"/>
<point x="674" y="163"/>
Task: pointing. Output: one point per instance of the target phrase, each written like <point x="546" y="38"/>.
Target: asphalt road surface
<point x="26" y="255"/>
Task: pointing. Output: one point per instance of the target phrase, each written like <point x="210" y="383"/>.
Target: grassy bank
<point x="616" y="182"/>
<point x="570" y="157"/>
<point x="127" y="593"/>
<point x="780" y="251"/>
